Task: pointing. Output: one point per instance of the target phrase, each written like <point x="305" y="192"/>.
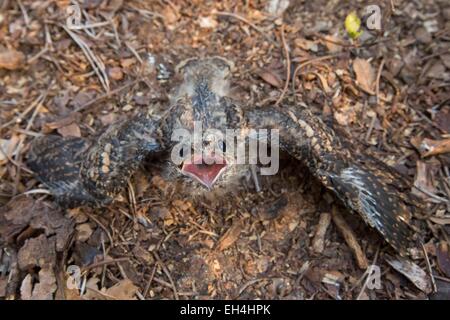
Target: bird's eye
<point x="223" y="63"/>
<point x="181" y="152"/>
<point x="223" y="146"/>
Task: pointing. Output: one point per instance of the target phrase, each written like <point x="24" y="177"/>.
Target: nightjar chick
<point x="192" y="131"/>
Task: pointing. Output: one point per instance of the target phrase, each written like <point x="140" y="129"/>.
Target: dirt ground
<point x="388" y="90"/>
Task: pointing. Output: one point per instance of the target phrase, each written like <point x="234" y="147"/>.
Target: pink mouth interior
<point x="206" y="174"/>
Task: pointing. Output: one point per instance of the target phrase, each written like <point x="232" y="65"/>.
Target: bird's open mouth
<point x="201" y="171"/>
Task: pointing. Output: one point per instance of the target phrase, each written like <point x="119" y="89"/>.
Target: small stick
<point x="336" y="42"/>
<point x="102" y="226"/>
<point x="240" y="18"/>
<point x="369" y="132"/>
<point x="132" y="199"/>
<point x="288" y="67"/>
<point x="350" y="238"/>
<point x="134" y="52"/>
<point x="102" y="263"/>
<point x="377" y="88"/>
<point x="106" y="95"/>
<point x="26" y="18"/>
<point x="95" y="62"/>
<point x="370" y="92"/>
<point x="149" y="282"/>
<point x="318" y="242"/>
<point x="433" y="282"/>
<point x="166" y="271"/>
<point x="250" y="283"/>
<point x="255" y="177"/>
<point x="19" y="119"/>
<point x="304" y="64"/>
<point x="367" y="274"/>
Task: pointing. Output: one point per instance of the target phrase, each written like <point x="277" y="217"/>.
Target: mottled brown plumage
<point x="80" y="172"/>
<point x="366" y="185"/>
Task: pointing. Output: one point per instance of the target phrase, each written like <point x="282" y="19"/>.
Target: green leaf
<point x="353" y="25"/>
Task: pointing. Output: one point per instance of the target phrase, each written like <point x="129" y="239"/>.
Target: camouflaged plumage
<point x="80" y="172"/>
<point x="364" y="184"/>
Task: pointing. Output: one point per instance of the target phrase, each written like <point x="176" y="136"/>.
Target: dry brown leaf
<point x="46" y="287"/>
<point x="71" y="294"/>
<point x="365" y="75"/>
<point x="37" y="252"/>
<point x="430" y="147"/>
<point x="11" y="59"/>
<point x="26" y="214"/>
<point x="346" y="114"/>
<point x="257" y="266"/>
<point x="71" y="130"/>
<point x="422" y="35"/>
<point x="230" y="236"/>
<point x="324" y="82"/>
<point x="306" y="45"/>
<point x="411" y="271"/>
<point x="108" y="118"/>
<point x="442" y="119"/>
<point x="143" y="255"/>
<point x="207" y="22"/>
<point x="271" y="77"/>
<point x="331" y="43"/>
<point x="170" y="16"/>
<point x="49" y="126"/>
<point x="8" y="148"/>
<point x="424" y="179"/>
<point x="443" y="258"/>
<point x="84" y="231"/>
<point x="42" y="290"/>
<point x="3" y="284"/>
<point x="277" y="7"/>
<point x="26" y="288"/>
<point x="123" y="290"/>
<point x="115" y="73"/>
<point x="256" y="16"/>
<point x="439" y="220"/>
<point x="437" y="71"/>
<point x="127" y="63"/>
<point x="92" y="292"/>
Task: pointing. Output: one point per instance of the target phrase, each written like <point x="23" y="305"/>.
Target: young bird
<point x="79" y="171"/>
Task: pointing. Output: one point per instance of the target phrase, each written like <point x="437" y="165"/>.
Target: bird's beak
<point x="201" y="171"/>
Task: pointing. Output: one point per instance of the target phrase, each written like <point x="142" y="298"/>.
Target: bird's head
<point x="203" y="149"/>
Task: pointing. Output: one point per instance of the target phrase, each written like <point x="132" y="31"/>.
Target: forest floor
<point x="388" y="90"/>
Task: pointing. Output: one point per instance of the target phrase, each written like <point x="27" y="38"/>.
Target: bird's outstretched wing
<point x="81" y="172"/>
<point x="362" y="183"/>
<point x="117" y="154"/>
<point x="364" y="190"/>
<point x="56" y="161"/>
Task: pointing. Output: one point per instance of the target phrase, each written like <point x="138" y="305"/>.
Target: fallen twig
<point x="304" y="64"/>
<point x="288" y="66"/>
<point x="430" y="271"/>
<point x="240" y="18"/>
<point x="95" y="62"/>
<point x="318" y="242"/>
<point x="350" y="238"/>
<point x="377" y="83"/>
<point x="166" y="271"/>
<point x="105" y="95"/>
